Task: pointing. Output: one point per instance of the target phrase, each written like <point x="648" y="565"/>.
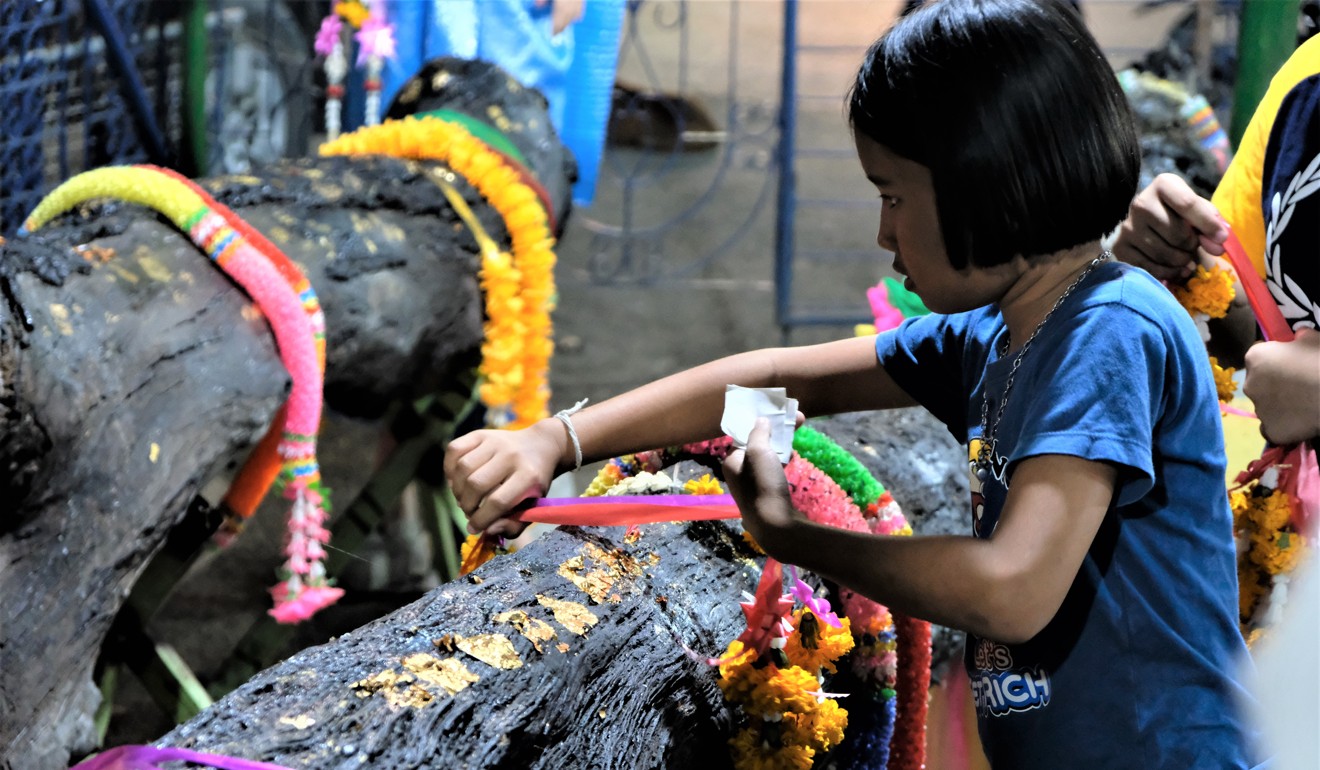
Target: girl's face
<point x="910" y="227"/>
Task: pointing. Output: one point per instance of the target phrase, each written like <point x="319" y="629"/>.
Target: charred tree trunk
<point x="599" y="677"/>
<point x="132" y="372"/>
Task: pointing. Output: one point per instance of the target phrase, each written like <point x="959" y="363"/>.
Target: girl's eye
<point x="888" y="201"/>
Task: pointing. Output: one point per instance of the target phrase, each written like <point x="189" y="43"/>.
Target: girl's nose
<point x="885" y="237"/>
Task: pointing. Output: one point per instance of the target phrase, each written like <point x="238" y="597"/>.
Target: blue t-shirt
<point x="1138" y="667"/>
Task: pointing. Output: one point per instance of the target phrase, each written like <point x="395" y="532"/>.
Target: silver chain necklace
<point x="988" y="431"/>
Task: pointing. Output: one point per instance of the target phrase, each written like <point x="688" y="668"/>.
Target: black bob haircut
<point x="1017" y="114"/>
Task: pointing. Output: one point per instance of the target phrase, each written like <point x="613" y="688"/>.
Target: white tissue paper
<point x="743" y="405"/>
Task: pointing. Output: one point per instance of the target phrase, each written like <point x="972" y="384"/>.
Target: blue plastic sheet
<point x="574" y="70"/>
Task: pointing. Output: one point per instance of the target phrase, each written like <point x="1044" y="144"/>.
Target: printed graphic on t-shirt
<point x="998" y="464"/>
<point x="998" y="688"/>
<point x="1297" y="308"/>
<point x="1290" y="181"/>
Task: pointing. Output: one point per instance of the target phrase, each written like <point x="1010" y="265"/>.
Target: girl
<point x="1098" y="588"/>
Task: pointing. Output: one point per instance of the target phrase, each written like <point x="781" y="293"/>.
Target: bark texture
<point x="132" y="372"/>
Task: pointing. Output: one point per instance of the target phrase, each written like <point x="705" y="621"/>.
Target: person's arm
<point x="563" y="13"/>
<point x="1166" y="226"/>
<point x="1006" y="588"/>
<point x="1169" y="231"/>
<point x="490" y="472"/>
<point x="1283" y="383"/>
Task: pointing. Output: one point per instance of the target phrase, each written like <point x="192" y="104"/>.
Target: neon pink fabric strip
<point x="626" y="510"/>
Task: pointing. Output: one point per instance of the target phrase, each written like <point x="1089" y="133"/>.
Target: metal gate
<point x="86" y="84"/>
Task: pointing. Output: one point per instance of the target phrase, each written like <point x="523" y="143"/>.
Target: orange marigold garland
<point x="773" y="671"/>
<point x="1206" y="296"/>
<point x="1270" y="547"/>
<point x="1269" y="544"/>
<point x="515" y="390"/>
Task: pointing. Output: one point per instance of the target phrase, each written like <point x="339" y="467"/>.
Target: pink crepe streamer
<point x="1303" y="486"/>
<point x="620" y="510"/>
<point x="886" y="315"/>
<point x="1233" y="410"/>
<point x="376" y="38"/>
<point x="328" y="35"/>
<point x="680" y="501"/>
<point x="150" y="757"/>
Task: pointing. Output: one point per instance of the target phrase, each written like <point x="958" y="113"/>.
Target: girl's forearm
<point x="677" y="409"/>
<point x="686" y="407"/>
<point x="950" y="580"/>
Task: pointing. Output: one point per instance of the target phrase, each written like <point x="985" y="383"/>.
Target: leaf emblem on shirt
<point x="1292" y="300"/>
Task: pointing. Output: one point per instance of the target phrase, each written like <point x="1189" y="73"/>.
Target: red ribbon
<point x="626" y="510"/>
<point x="1273" y="326"/>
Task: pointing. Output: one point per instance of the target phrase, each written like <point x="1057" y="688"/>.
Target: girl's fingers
<point x="480" y="486"/>
<point x="472" y="475"/>
<point x="489" y="515"/>
<point x="1210" y="245"/>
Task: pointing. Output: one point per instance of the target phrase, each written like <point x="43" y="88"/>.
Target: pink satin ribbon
<point x="626" y="510"/>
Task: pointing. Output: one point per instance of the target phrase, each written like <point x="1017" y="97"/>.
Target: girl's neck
<point x="1040" y="283"/>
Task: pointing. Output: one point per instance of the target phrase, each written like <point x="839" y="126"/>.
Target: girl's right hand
<point x="492" y="471"/>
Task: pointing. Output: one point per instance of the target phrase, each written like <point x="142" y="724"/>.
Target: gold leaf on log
<point x="534" y="629"/>
<point x="399" y="690"/>
<point x="300" y="722"/>
<point x="570" y="615"/>
<point x="492" y="649"/>
<point x="598" y="583"/>
<point x="154" y="268"/>
<point x="448" y="673"/>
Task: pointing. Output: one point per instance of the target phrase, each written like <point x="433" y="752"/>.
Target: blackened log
<point x="132" y="372"/>
<point x="623" y="693"/>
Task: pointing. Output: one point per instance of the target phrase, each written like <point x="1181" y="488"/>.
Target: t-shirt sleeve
<point x="1096" y="395"/>
<point x="925" y="356"/>
<point x="1290" y="199"/>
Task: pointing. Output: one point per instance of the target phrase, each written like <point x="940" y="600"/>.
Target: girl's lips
<point x="898" y="268"/>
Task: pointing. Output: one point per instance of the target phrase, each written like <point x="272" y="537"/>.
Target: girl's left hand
<point x="758" y="484"/>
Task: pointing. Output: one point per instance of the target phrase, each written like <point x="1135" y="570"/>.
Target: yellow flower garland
<point x="353" y="12"/>
<point x="1269" y="546"/>
<point x="1206" y="295"/>
<point x="518" y="331"/>
<point x="1207" y="291"/>
<point x="1272" y="549"/>
<point x="788" y="723"/>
